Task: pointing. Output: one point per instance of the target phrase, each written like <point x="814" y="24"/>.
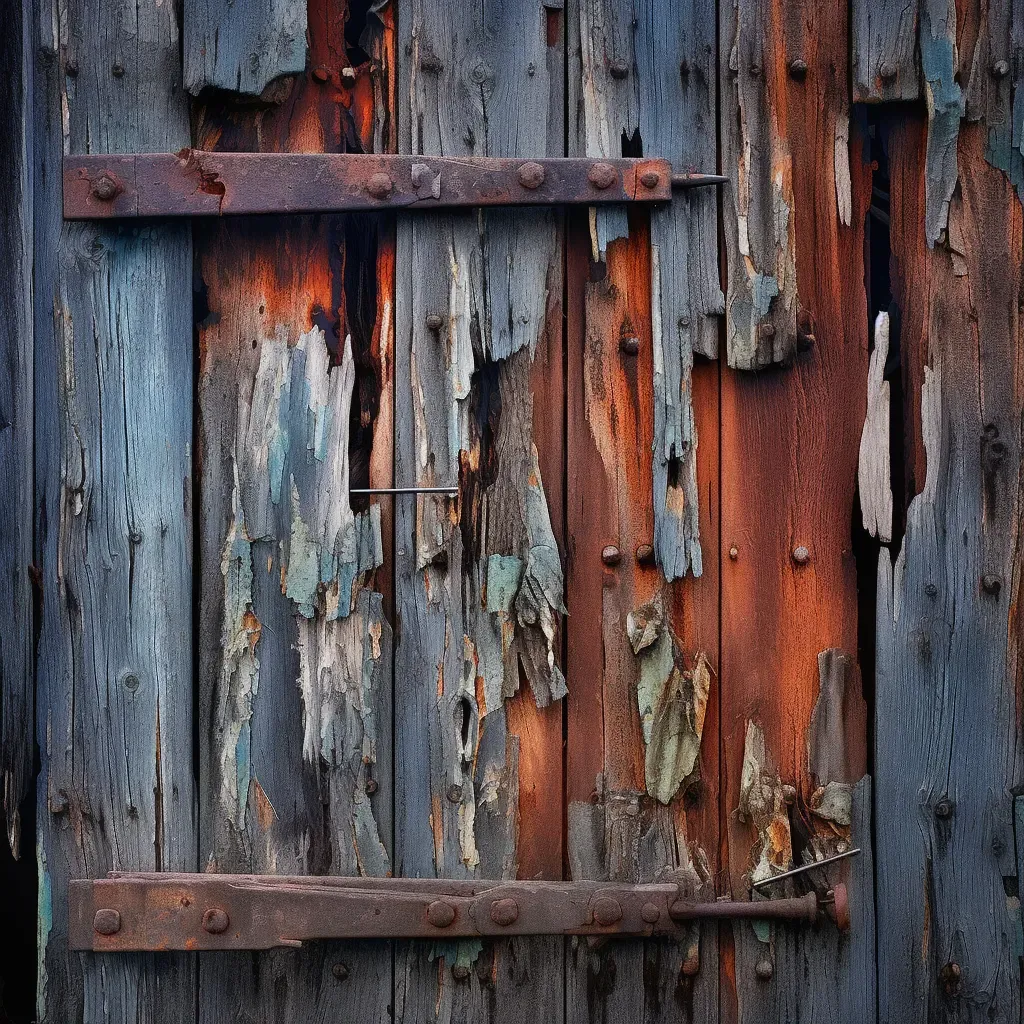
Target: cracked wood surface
<point x="479" y="581"/>
<point x="789" y="461"/>
<point x="295" y="667"/>
<point x="948" y="672"/>
<point x="114" y="508"/>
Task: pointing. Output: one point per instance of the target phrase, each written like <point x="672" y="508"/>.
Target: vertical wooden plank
<point x="16" y="668"/>
<point x="479" y="581"/>
<point x="886" y="65"/>
<point x="114" y="508"/>
<point x="242" y="46"/>
<point x="948" y="674"/>
<point x="296" y="652"/>
<point x="793" y="716"/>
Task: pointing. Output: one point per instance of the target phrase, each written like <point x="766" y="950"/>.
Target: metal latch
<point x="194" y="183"/>
<point x="163" y="911"/>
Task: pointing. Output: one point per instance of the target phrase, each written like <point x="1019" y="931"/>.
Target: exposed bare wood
<point x="873" y="465"/>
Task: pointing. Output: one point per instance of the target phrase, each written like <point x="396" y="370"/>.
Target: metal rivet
<point x="650" y="179"/>
<point x="504" y="912"/>
<point x="602" y="175"/>
<point x="1000" y="69"/>
<point x="117" y="69"/>
<point x="798" y="69"/>
<point x="607" y="911"/>
<point x="321" y="74"/>
<point x="991" y="584"/>
<point x="71" y="68"/>
<point x="950" y="978"/>
<point x="107" y="921"/>
<point x="618" y="68"/>
<point x="801" y="555"/>
<point x="611" y="555"/>
<point x="645" y="554"/>
<point x="887" y="72"/>
<point x="460" y="972"/>
<point x="764" y="969"/>
<point x="380" y="185"/>
<point x="629" y="344"/>
<point x="734" y="552"/>
<point x="216" y="921"/>
<point x="434" y="321"/>
<point x="944" y="809"/>
<point x="348" y="74"/>
<point x="650" y="912"/>
<point x="691" y="965"/>
<point x="104" y="187"/>
<point x="440" y="914"/>
<point x="530" y="175"/>
<point x="340" y="971"/>
<point x="371" y="787"/>
<point x="455" y="793"/>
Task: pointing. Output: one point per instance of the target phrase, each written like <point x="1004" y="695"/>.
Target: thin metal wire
<point x="403" y="490"/>
<point x="807" y="867"/>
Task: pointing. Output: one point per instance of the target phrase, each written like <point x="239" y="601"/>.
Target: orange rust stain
<point x="252" y="626"/>
<point x="437" y="828"/>
<point x="265" y="813"/>
<point x="191" y="944"/>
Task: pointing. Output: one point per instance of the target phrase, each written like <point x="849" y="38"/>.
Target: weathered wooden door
<point x="726" y="577"/>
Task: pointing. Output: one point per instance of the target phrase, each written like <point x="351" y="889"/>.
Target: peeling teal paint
<point x="503" y="575"/>
<point x="302" y="576"/>
<point x="764" y="288"/>
<point x="462" y="953"/>
<point x="44" y="925"/>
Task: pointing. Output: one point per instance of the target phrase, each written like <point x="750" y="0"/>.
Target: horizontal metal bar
<point x="806" y="867"/>
<point x="403" y="490"/>
<point x="147" y="911"/>
<point x="194" y="183"/>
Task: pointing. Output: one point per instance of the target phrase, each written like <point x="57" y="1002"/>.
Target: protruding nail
<point x="504" y="912"/>
<point x="991" y="584"/>
<point x="440" y="914"/>
<point x="430" y="62"/>
<point x="734" y="552"/>
<point x="618" y="68"/>
<point x="944" y="809"/>
<point x="764" y="969"/>
<point x="629" y="344"/>
<point x="645" y="554"/>
<point x="434" y="321"/>
<point x="216" y="921"/>
<point x="887" y="72"/>
<point x="611" y="555"/>
<point x="798" y="69"/>
<point x="767" y="331"/>
<point x="117" y="69"/>
<point x="348" y="74"/>
<point x="951" y="978"/>
<point x="106" y="921"/>
<point x="340" y="971"/>
<point x="371" y="787"/>
<point x="801" y="555"/>
<point x="602" y="175"/>
<point x="789" y="794"/>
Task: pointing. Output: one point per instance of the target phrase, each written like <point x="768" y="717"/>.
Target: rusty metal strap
<point x="132" y="912"/>
<point x="193" y="183"/>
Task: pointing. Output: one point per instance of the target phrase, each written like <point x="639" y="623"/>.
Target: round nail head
<point x="607" y="911"/>
<point x="104" y="187"/>
<point x="504" y="912"/>
<point x="619" y="68"/>
<point x="455" y="793"/>
<point x="380" y="185"/>
<point x="107" y="921"/>
<point x="1000" y="69"/>
<point x="602" y="175"/>
<point x="117" y="70"/>
<point x="440" y="914"/>
<point x="645" y="554"/>
<point x="611" y="555"/>
<point x="371" y="787"/>
<point x="216" y="921"/>
<point x="650" y="179"/>
<point x="650" y="912"/>
<point x="734" y="552"/>
<point x="340" y="971"/>
<point x="801" y="555"/>
<point x="763" y="969"/>
<point x="530" y="175"/>
<point x="629" y="344"/>
<point x="887" y="72"/>
<point x="798" y="68"/>
<point x="434" y="321"/>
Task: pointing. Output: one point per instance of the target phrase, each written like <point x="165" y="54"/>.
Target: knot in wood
<point x="887" y="72"/>
<point x="764" y="969"/>
<point x="944" y="809"/>
<point x="798" y="69"/>
<point x="482" y="72"/>
<point x="950" y="978"/>
<point x="105" y="187"/>
<point x="379" y="185"/>
<point x="602" y="175"/>
<point x="1000" y="69"/>
<point x="650" y="912"/>
<point x="618" y="68"/>
<point x="504" y="912"/>
<point x="611" y="555"/>
<point x="530" y="175"/>
<point x="650" y="179"/>
<point x="107" y="921"/>
<point x="216" y="921"/>
<point x="340" y="971"/>
<point x="801" y="555"/>
<point x="440" y="914"/>
<point x="607" y="911"/>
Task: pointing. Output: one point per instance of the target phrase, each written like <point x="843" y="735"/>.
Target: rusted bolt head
<point x="440" y="914"/>
<point x="950" y="978"/>
<point x="348" y="74"/>
<point x="104" y="187"/>
<point x="602" y="175"/>
<point x="455" y="793"/>
<point x="944" y="809"/>
<point x="650" y="179"/>
<point x="629" y="344"/>
<point x="117" y="69"/>
<point x="380" y="185"/>
<point x="460" y="972"/>
<point x="887" y="72"/>
<point x="650" y="912"/>
<point x="1000" y="69"/>
<point x="340" y="971"/>
<point x="504" y="912"/>
<point x="321" y="74"/>
<point x="371" y="787"/>
<point x="530" y="174"/>
<point x="611" y="555"/>
<point x="764" y="969"/>
<point x="801" y="555"/>
<point x="991" y="584"/>
<point x="618" y="68"/>
<point x="645" y="554"/>
<point x="798" y="69"/>
<point x="607" y="910"/>
<point x="734" y="552"/>
<point x="691" y="965"/>
<point x="107" y="921"/>
<point x="216" y="921"/>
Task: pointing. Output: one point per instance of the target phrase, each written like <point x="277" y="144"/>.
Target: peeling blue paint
<point x="503" y="575"/>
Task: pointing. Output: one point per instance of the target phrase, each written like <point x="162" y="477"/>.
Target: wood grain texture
<point x="948" y="629"/>
<point x="295" y="666"/>
<point x="16" y="420"/>
<point x="645" y="78"/>
<point x="479" y="582"/>
<point x="873" y="472"/>
<point x="793" y="715"/>
<point x="242" y="45"/>
<point x="114" y="508"/>
<point x="886" y="64"/>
